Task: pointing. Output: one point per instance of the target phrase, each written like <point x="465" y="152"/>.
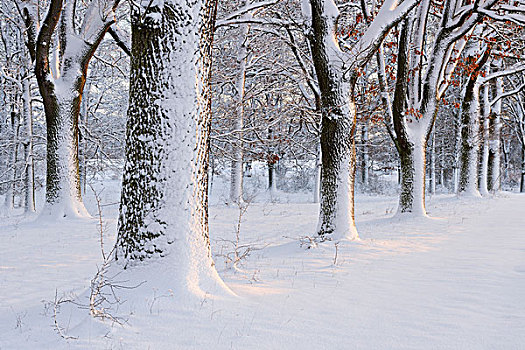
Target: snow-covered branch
<point x="235" y="18"/>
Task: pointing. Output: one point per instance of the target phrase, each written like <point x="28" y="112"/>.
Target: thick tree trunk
<point x="469" y="146"/>
<point x="413" y="164"/>
<point x="63" y="196"/>
<point x="337" y="178"/>
<point x="164" y="203"/>
<point x="336" y="216"/>
<point x="411" y="136"/>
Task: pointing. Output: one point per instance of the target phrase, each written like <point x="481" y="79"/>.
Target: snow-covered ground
<point x="452" y="281"/>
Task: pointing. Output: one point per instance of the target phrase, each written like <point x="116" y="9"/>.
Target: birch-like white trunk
<point x="483" y="176"/>
<point x="236" y="183"/>
<point x="433" y="164"/>
<point x="366" y="157"/>
<point x="495" y="141"/>
<point x="9" y="200"/>
<point x="29" y="174"/>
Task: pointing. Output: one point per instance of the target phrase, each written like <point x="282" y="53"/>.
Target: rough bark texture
<point x="336" y="218"/>
<point x="164" y="198"/>
<point x="407" y="148"/>
<point x="61" y="90"/>
<point x="469" y="146"/>
<point x="469" y="132"/>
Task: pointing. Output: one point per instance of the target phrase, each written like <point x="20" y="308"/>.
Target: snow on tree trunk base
<point x="63" y="197"/>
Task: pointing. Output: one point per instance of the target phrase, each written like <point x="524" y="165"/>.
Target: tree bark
<point x="236" y="184"/>
<point x="432" y="179"/>
<point x="522" y="180"/>
<point x="61" y="90"/>
<point x="338" y="121"/>
<point x="366" y="159"/>
<point x="484" y="186"/>
<point x="469" y="132"/>
<point x="164" y="202"/>
<point x="29" y="174"/>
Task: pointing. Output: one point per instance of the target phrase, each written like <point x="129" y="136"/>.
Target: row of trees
<point x="288" y="79"/>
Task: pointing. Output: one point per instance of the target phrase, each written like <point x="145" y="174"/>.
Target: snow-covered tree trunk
<point x="483" y="176"/>
<point x="318" y="168"/>
<point x="433" y="164"/>
<point x="431" y="64"/>
<point x="84" y="121"/>
<point x="61" y="81"/>
<point x="336" y="217"/>
<point x="63" y="196"/>
<point x="29" y="174"/>
<point x="495" y="140"/>
<point x="469" y="146"/>
<point x="366" y="157"/>
<point x="236" y="184"/>
<point x="412" y="131"/>
<point x="413" y="164"/>
<point x="164" y="202"/>
<point x="9" y="200"/>
<point x="337" y="75"/>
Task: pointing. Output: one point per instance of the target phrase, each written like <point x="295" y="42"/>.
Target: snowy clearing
<point x="452" y="281"/>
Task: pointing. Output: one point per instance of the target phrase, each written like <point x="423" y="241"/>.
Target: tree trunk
<point x="469" y="146"/>
<point x="365" y="164"/>
<point x="411" y="135"/>
<point x="63" y="196"/>
<point x="338" y="120"/>
<point x="29" y="174"/>
<point x="61" y="90"/>
<point x="84" y="120"/>
<point x="164" y="202"/>
<point x="236" y="185"/>
<point x="495" y="141"/>
<point x="522" y="182"/>
<point x="318" y="167"/>
<point x="413" y="164"/>
<point x="433" y="164"/>
<point x="484" y="186"/>
<point x="9" y="200"/>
